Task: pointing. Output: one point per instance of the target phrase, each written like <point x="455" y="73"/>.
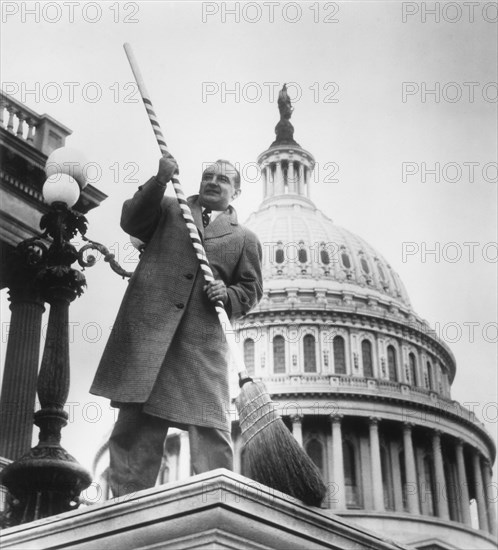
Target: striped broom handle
<point x="189" y="220"/>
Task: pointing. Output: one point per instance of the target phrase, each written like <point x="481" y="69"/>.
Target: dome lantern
<point x="286" y="167"/>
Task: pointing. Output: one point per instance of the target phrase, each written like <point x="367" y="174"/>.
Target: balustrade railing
<point x="41" y="131"/>
<point x="17" y="118"/>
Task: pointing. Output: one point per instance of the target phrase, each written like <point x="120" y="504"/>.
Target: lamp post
<point x="48" y="480"/>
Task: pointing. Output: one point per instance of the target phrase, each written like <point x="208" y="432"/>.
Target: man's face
<point x="218" y="189"/>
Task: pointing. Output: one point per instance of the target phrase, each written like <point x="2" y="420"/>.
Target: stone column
<point x="279" y="179"/>
<point x="270" y="181"/>
<point x="17" y="403"/>
<point x="264" y="179"/>
<point x="297" y="428"/>
<point x="410" y="470"/>
<point x="441" y="493"/>
<point x="490" y="505"/>
<point x="300" y="183"/>
<point x="184" y="468"/>
<point x="237" y="450"/>
<point x="308" y="181"/>
<point x="339" y="485"/>
<point x="375" y="465"/>
<point x="479" y="491"/>
<point x="463" y="484"/>
<point x="291" y="177"/>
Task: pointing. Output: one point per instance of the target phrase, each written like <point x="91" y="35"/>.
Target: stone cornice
<point x="215" y="509"/>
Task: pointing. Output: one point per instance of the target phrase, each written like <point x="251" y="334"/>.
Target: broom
<point x="271" y="454"/>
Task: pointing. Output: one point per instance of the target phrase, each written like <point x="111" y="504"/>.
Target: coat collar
<point x="222" y="225"/>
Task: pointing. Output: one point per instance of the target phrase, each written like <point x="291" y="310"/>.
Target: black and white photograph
<point x="249" y="286"/>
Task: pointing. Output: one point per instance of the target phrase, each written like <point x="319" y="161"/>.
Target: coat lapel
<point x="196" y="209"/>
<point x="222" y="225"/>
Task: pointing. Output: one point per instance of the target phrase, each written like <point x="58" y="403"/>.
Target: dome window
<point x="279" y="253"/>
<point x="249" y="356"/>
<point x="278" y="355"/>
<point x="302" y="255"/>
<point x="383" y="279"/>
<point x="346" y="262"/>
<point x="309" y="349"/>
<point x="413" y="368"/>
<point x="339" y="355"/>
<point x="429" y="381"/>
<point x="366" y="355"/>
<point x="324" y="257"/>
<point x="392" y="364"/>
<point x="364" y="265"/>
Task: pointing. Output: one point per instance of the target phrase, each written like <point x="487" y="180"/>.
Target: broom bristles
<point x="271" y="455"/>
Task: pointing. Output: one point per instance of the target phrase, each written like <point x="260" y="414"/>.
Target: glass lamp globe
<point x="61" y="188"/>
<point x="68" y="161"/>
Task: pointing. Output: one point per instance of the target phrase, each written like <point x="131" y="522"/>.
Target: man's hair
<point x="237" y="173"/>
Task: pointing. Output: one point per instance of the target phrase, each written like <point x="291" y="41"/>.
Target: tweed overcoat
<point x="167" y="349"/>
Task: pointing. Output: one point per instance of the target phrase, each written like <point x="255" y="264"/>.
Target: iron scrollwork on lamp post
<point x="48" y="480"/>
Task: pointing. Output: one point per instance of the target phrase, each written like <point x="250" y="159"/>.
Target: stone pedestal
<point x="215" y="510"/>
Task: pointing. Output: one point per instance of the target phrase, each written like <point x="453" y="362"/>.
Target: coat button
<point x="189" y="276"/>
<point x="180" y="306"/>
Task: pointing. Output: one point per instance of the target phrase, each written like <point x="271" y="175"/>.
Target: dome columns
<point x="265" y="178"/>
<point x="441" y="490"/>
<point x="410" y="470"/>
<point x="279" y="179"/>
<point x="375" y="464"/>
<point x="480" y="492"/>
<point x="184" y="456"/>
<point x="300" y="182"/>
<point x="393" y="459"/>
<point x="286" y="170"/>
<point x="490" y="498"/>
<point x="292" y="182"/>
<point x="339" y="484"/>
<point x="463" y="483"/>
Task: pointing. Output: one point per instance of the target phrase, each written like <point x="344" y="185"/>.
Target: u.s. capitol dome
<point x="360" y="379"/>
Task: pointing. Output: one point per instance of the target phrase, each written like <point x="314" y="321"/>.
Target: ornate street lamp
<point x="48" y="480"/>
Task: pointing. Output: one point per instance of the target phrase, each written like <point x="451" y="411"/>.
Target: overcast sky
<point x="416" y="169"/>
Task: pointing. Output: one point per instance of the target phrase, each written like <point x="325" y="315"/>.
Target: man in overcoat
<point x="165" y="364"/>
